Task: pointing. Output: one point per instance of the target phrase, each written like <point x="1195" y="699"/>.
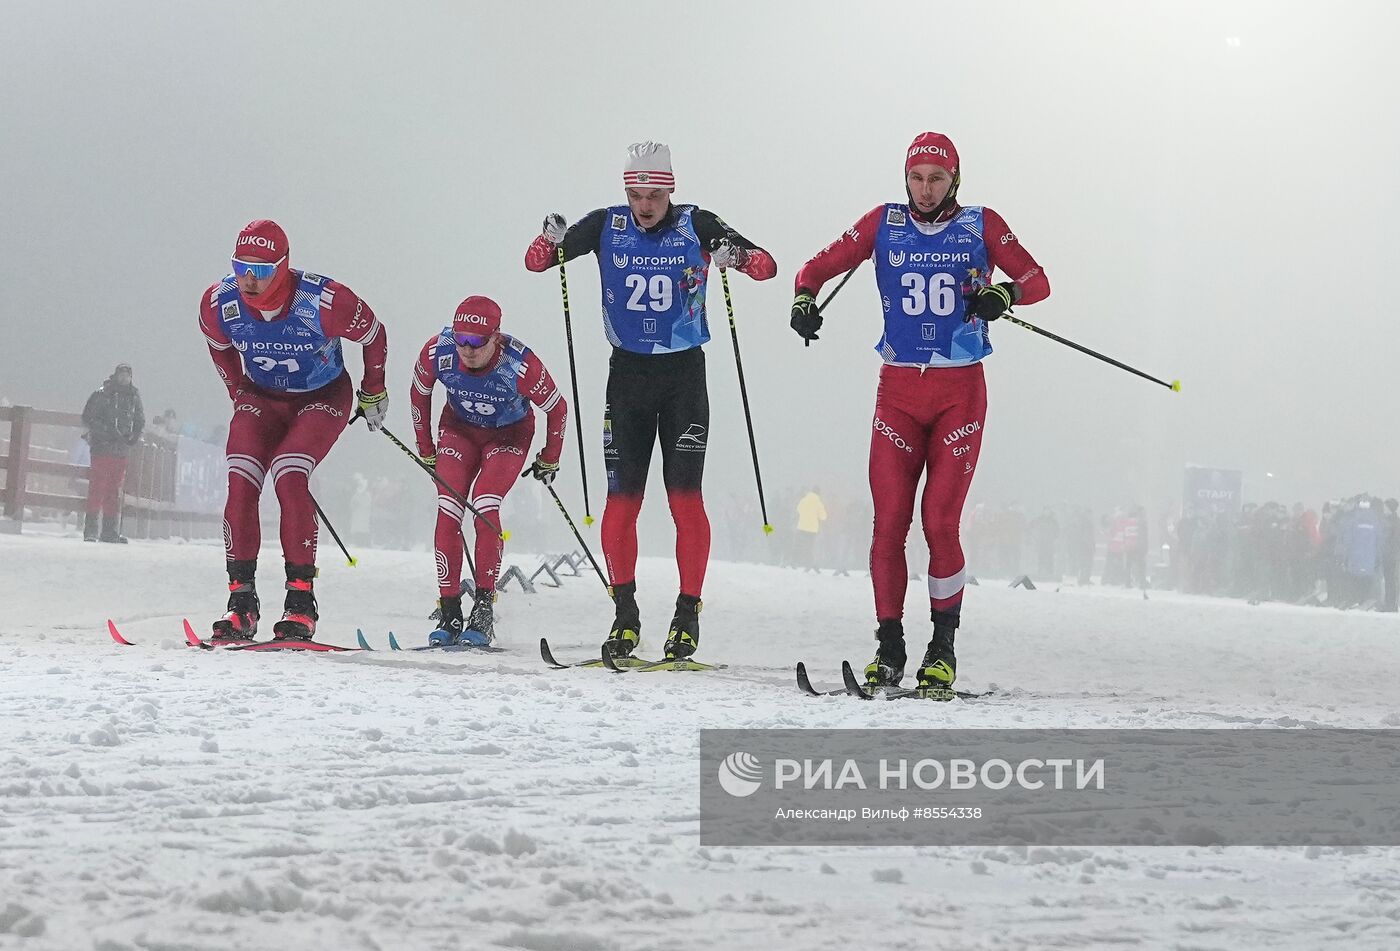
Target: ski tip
<point x="393" y="642"/>
<point x="852" y="682"/>
<point x="117" y="635"/>
<point x="191" y="638"/>
<point x="360" y="639"/>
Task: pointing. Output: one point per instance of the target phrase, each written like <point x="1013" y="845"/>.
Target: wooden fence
<point x="35" y="479"/>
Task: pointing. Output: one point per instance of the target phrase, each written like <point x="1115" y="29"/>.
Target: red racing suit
<point x="285" y="434"/>
<point x="927" y="419"/>
<point x="481" y="463"/>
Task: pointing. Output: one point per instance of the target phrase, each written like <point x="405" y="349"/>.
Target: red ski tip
<point x="117" y="635"/>
<point x="191" y="638"/>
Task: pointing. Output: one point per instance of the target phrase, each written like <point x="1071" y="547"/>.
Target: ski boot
<point x="480" y="627"/>
<point x="940" y="666"/>
<point x="684" y="636"/>
<point x="449" y="618"/>
<point x="626" y="631"/>
<point x="299" y="609"/>
<point x="887" y="669"/>
<point x="240" y="624"/>
<point x="110" y="534"/>
<point x="90" y="529"/>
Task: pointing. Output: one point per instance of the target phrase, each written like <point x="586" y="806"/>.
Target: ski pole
<point x="1174" y="385"/>
<point x="331" y="528"/>
<point x="466" y="549"/>
<point x="834" y="291"/>
<point x="573" y="379"/>
<point x="744" y="397"/>
<point x="445" y="487"/>
<point x="573" y="528"/>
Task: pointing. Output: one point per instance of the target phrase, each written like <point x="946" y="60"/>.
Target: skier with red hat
<point x="485" y="430"/>
<point x="934" y="260"/>
<point x="274" y="333"/>
<point x="654" y="259"/>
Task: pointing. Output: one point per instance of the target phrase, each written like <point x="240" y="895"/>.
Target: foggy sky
<point x="1209" y="187"/>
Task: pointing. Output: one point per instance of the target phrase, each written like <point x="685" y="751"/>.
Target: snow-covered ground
<point x="155" y="797"/>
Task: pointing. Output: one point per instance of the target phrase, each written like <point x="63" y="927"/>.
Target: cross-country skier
<point x="485" y="431"/>
<point x="933" y="266"/>
<point x="274" y="333"/>
<point x="654" y="258"/>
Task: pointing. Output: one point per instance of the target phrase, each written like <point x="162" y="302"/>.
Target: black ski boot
<point x="684" y="635"/>
<point x="109" y="530"/>
<point x="240" y="624"/>
<point x="480" y="627"/>
<point x="299" y="609"/>
<point x="449" y="618"/>
<point x="90" y="529"/>
<point x="626" y="631"/>
<point x="887" y="669"/>
<point x="940" y="666"/>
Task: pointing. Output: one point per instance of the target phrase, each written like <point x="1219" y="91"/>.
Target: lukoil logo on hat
<point x="477" y="315"/>
<point x="931" y="148"/>
<point x="262" y="240"/>
<point x="740" y="774"/>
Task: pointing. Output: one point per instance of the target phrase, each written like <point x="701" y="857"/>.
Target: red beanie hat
<point x="477" y="315"/>
<point x="265" y="241"/>
<point x="261" y="240"/>
<point x="932" y="148"/>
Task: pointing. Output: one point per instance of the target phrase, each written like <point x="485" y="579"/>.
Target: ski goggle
<point x="258" y="269"/>
<point x="475" y="341"/>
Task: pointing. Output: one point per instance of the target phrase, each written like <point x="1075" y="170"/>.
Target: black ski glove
<point x="992" y="301"/>
<point x="806" y="318"/>
<point x="541" y="470"/>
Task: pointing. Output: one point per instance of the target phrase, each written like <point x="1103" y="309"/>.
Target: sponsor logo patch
<point x="693" y="439"/>
<point x="962" y="432"/>
<point x="883" y="428"/>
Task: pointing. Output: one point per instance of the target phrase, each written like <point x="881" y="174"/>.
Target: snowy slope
<point x="157" y="797"/>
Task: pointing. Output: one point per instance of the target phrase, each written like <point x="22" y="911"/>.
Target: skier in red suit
<point x="491" y="381"/>
<point x="275" y="335"/>
<point x="933" y="262"/>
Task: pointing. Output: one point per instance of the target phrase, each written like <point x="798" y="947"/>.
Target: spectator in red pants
<point x="114" y="419"/>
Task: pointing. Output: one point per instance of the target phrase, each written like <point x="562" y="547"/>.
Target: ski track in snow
<point x="156" y="797"/>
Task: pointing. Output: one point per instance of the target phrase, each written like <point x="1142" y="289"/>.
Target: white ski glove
<point x="725" y="254"/>
<point x="555" y="228"/>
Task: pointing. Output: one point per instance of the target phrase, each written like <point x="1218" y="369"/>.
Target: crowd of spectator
<point x="1345" y="556"/>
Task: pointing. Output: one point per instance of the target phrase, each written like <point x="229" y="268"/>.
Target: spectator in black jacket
<point x="114" y="419"/>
